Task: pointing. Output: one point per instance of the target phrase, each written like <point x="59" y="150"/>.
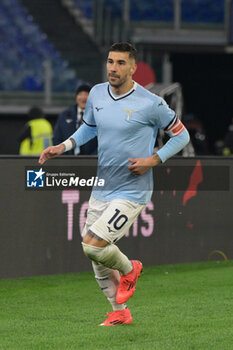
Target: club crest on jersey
<point x="129" y="112"/>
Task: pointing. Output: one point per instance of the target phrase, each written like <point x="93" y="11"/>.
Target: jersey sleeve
<point x="88" y="116"/>
<point x="174" y="145"/>
<point x="167" y="119"/>
<point x="161" y="115"/>
<point x="84" y="134"/>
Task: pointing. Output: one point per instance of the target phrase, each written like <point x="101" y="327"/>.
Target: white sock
<point x="108" y="281"/>
<point x="109" y="256"/>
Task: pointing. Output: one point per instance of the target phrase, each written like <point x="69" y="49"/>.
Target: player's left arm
<point x="174" y="145"/>
<point x="179" y="138"/>
<point x="140" y="166"/>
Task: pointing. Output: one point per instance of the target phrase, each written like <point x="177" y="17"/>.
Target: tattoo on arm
<point x="93" y="235"/>
<point x="156" y="157"/>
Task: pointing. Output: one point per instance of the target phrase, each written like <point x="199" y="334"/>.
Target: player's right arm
<point x="86" y="132"/>
<point x="79" y="138"/>
<point x="55" y="151"/>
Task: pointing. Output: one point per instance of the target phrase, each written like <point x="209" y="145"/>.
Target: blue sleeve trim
<point x="171" y="122"/>
<point x="88" y="124"/>
<point x="84" y="134"/>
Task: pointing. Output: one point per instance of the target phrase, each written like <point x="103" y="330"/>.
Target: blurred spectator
<point x="36" y="134"/>
<point x="197" y="134"/>
<point x="219" y="147"/>
<point x="228" y="141"/>
<point x="71" y="119"/>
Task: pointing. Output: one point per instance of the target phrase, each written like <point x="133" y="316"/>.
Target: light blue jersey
<point x="126" y="127"/>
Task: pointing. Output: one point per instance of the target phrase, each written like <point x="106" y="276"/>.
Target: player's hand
<point x="140" y="166"/>
<point x="51" y="152"/>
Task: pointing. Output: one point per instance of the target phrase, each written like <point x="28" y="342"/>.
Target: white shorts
<point x="111" y="220"/>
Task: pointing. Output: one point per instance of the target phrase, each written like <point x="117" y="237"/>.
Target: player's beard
<point x="117" y="84"/>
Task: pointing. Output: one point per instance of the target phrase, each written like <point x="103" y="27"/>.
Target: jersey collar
<point x="119" y="97"/>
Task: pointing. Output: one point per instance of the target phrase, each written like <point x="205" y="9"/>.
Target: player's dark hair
<point x="125" y="47"/>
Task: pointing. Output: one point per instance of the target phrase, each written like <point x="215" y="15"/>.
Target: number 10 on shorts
<point x="118" y="220"/>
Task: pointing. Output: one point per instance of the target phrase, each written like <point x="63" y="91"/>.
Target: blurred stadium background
<point x="48" y="47"/>
<point x="185" y="48"/>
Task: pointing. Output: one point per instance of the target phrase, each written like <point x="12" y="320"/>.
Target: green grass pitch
<point x="175" y="307"/>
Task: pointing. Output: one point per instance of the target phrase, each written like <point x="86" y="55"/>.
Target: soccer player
<point x="125" y="117"/>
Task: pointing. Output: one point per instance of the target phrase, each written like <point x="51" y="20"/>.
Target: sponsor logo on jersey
<point x="99" y="108"/>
